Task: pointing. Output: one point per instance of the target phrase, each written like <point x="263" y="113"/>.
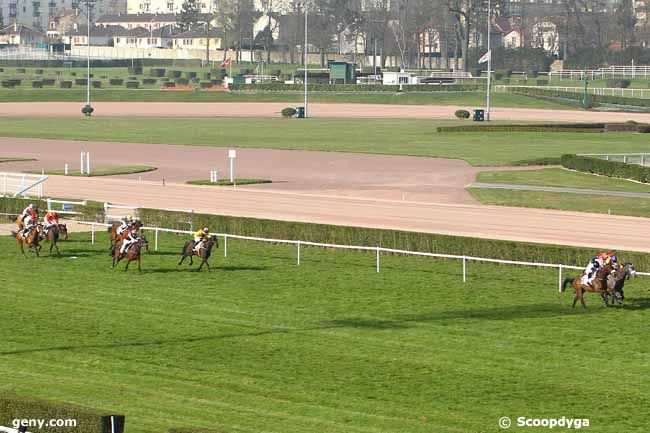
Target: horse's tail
<point x="14" y="234"/>
<point x="567" y="281"/>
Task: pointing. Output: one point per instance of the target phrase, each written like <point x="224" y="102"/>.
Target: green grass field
<point x="16" y="159"/>
<point x="112" y="171"/>
<point x="559" y="177"/>
<point x="120" y="94"/>
<point x="260" y="344"/>
<point x="385" y="136"/>
<point x="564" y="201"/>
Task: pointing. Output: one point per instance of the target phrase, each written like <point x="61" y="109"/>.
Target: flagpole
<point x="489" y="76"/>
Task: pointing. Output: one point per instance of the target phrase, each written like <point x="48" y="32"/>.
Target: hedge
<point x="11" y="83"/>
<point x="116" y="81"/>
<point x="182" y="81"/>
<point x="190" y="74"/>
<point x="577" y="127"/>
<point x="596" y="99"/>
<point x="607" y="168"/>
<point x="88" y="420"/>
<point x="37" y="84"/>
<point x="132" y="84"/>
<point x="149" y="81"/>
<point x="81" y="81"/>
<point x="96" y="84"/>
<point x="135" y="70"/>
<point x="281" y="87"/>
<point x="157" y="72"/>
<point x="48" y="81"/>
<point x="205" y="84"/>
<point x="10" y="205"/>
<point x="174" y="74"/>
<point x="65" y="84"/>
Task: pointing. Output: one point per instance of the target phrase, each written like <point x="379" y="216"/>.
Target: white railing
<point x="66" y="206"/>
<point x="599" y="91"/>
<point x="15" y="184"/>
<point x="626" y="158"/>
<point x="609" y="72"/>
<point x="108" y="216"/>
<point x="377" y="250"/>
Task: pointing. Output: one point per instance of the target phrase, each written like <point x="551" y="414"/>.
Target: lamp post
<point x="88" y="109"/>
<point x="489" y="62"/>
<point x="305" y="59"/>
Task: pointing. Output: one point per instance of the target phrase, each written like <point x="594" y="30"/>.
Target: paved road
<point x="496" y="222"/>
<point x="556" y="189"/>
<point x="272" y="109"/>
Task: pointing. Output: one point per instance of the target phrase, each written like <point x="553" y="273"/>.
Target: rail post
<point x="92" y="233"/>
<point x="464" y="269"/>
<point x="642" y="159"/>
<point x="298" y="259"/>
<point x="377" y="259"/>
<point x="559" y="280"/>
<point x="225" y="245"/>
<point x="155" y="245"/>
<point x="624" y="159"/>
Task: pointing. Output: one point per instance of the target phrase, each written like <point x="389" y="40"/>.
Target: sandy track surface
<point x="269" y="109"/>
<point x="73" y="227"/>
<point x="332" y="173"/>
<point x="519" y="224"/>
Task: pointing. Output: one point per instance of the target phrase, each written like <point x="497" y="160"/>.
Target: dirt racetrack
<point x="268" y="109"/>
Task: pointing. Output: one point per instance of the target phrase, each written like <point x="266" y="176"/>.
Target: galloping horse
<point x="616" y="282"/>
<point x="113" y="231"/>
<point x="63" y="231"/>
<point x="599" y="286"/>
<point x="31" y="239"/>
<point x="131" y="254"/>
<point x="52" y="235"/>
<point x="204" y="252"/>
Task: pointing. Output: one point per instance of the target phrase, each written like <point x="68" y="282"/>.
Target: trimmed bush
<point x="174" y="74"/>
<point x="116" y="81"/>
<point x="96" y="84"/>
<point x="217" y="82"/>
<point x="207" y="76"/>
<point x="288" y="112"/>
<point x="205" y="84"/>
<point x="37" y="84"/>
<point x="149" y="81"/>
<point x="157" y="72"/>
<point x="619" y="83"/>
<point x="169" y="84"/>
<point x="190" y="74"/>
<point x="48" y="81"/>
<point x="182" y="81"/>
<point x="498" y="75"/>
<point x="81" y="81"/>
<point x="9" y="84"/>
<point x="281" y="87"/>
<point x="460" y="114"/>
<point x="515" y="128"/>
<point x="73" y="74"/>
<point x="643" y="129"/>
<point x="532" y="74"/>
<point x="88" y="420"/>
<point x="132" y="84"/>
<point x="135" y="70"/>
<point x="38" y="71"/>
<point x="607" y="168"/>
<point x="65" y="84"/>
<point x="576" y="97"/>
<point x="20" y="70"/>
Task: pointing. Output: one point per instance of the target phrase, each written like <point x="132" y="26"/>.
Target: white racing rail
<point x="126" y="210"/>
<point x="377" y="250"/>
<point x="66" y="206"/>
<point x="15" y="184"/>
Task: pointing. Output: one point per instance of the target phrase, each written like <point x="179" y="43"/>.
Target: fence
<point x="599" y="91"/>
<point x="377" y="250"/>
<point x="130" y="210"/>
<point x="16" y="184"/>
<point x="66" y="206"/>
<point x="625" y="158"/>
<point x="609" y="72"/>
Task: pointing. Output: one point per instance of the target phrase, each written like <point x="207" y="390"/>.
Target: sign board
<point x="232" y="153"/>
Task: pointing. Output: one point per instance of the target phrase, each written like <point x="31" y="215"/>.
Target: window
<point x="117" y="40"/>
<point x="170" y="6"/>
<point x="187" y="41"/>
<point x="403" y="80"/>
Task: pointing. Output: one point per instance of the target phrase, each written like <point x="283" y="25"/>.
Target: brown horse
<point x="52" y="236"/>
<point x="599" y="285"/>
<point x="63" y="231"/>
<point x="32" y="239"/>
<point x="132" y="253"/>
<point x="117" y="237"/>
<point x="204" y="252"/>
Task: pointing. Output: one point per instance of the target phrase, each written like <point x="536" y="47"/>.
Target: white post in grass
<point x="225" y="245"/>
<point x="155" y="247"/>
<point x="81" y="158"/>
<point x="559" y="280"/>
<point x="298" y="260"/>
<point x="65" y="169"/>
<point x="88" y="163"/>
<point x="232" y="154"/>
<point x="464" y="269"/>
<point x="92" y="234"/>
<point x="377" y="259"/>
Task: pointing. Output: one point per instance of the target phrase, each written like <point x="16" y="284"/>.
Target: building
<point x="144" y="38"/>
<point x="99" y="36"/>
<point x="146" y="20"/>
<point x="19" y="34"/>
<point x="197" y="39"/>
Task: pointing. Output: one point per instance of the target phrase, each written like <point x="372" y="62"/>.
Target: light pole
<point x="305" y="59"/>
<point x="88" y="109"/>
<point x="489" y="62"/>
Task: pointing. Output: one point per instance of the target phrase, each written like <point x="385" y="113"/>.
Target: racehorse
<point x="616" y="282"/>
<point x="599" y="285"/>
<point x="132" y="253"/>
<point x="31" y="239"/>
<point x="204" y="252"/>
<point x="63" y="231"/>
<point x="113" y="231"/>
<point x="52" y="235"/>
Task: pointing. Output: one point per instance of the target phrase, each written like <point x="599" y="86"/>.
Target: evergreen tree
<point x="189" y="16"/>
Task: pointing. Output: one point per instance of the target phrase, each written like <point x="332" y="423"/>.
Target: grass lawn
<point x="260" y="344"/>
<point x="226" y="181"/>
<point x="382" y="136"/>
<point x="16" y="159"/>
<point x="564" y="201"/>
<point x="559" y="177"/>
<point x="113" y="171"/>
<point x="120" y="94"/>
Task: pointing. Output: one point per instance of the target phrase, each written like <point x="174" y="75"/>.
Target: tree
<point x="465" y="14"/>
<point x="625" y="22"/>
<point x="189" y="15"/>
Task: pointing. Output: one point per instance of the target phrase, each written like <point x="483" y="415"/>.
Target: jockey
<point x="51" y="219"/>
<point x="129" y="238"/>
<point x="125" y="223"/>
<point x="595" y="263"/>
<point x="199" y="237"/>
<point x="29" y="213"/>
<point x="613" y="260"/>
<point x="30" y="222"/>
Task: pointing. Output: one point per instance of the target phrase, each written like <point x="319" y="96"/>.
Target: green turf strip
<point x="260" y="344"/>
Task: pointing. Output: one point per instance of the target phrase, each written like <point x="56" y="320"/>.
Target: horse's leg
<point x="191" y="260"/>
<point x="139" y="268"/>
<point x="207" y="264"/>
<point x="51" y="246"/>
<point x="128" y="261"/>
<point x="22" y="249"/>
<point x="582" y="299"/>
<point x="182" y="259"/>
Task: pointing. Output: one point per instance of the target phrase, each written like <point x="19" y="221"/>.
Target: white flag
<point x="487" y="56"/>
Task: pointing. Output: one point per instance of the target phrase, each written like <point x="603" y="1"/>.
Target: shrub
<point x="132" y="84"/>
<point x="190" y="74"/>
<point x="88" y="420"/>
<point x="20" y="70"/>
<point x="619" y="83"/>
<point x="462" y="114"/>
<point x="149" y="81"/>
<point x="73" y="74"/>
<point x="281" y="87"/>
<point x="169" y="84"/>
<point x="135" y="70"/>
<point x="8" y="84"/>
<point x="38" y="71"/>
<point x="498" y="75"/>
<point x="216" y="82"/>
<point x="576" y="97"/>
<point x="542" y="82"/>
<point x="195" y="80"/>
<point x="65" y="84"/>
<point x="607" y="168"/>
<point x="532" y="74"/>
<point x="81" y="81"/>
<point x="643" y="129"/>
<point x="182" y="81"/>
<point x="157" y="72"/>
<point x="116" y="81"/>
<point x="205" y="84"/>
<point x="174" y="74"/>
<point x="48" y="81"/>
<point x="37" y="84"/>
<point x="514" y="128"/>
<point x="207" y="76"/>
<point x="96" y="84"/>
<point x="288" y="112"/>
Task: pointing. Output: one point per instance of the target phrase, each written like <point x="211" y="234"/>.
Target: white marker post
<point x="82" y="157"/>
<point x="88" y="163"/>
<point x="65" y="169"/>
<point x="232" y="154"/>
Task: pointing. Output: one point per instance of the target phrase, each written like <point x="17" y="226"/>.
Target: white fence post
<point x="155" y="247"/>
<point x="464" y="269"/>
<point x="377" y="259"/>
<point x="81" y="159"/>
<point x="225" y="245"/>
<point x="559" y="280"/>
<point x="92" y="234"/>
<point x="298" y="260"/>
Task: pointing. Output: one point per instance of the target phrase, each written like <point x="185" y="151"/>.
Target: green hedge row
<point x="12" y="205"/>
<point x="88" y="420"/>
<point x="596" y="99"/>
<point x="281" y="87"/>
<point x="607" y="168"/>
<point x="597" y="128"/>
